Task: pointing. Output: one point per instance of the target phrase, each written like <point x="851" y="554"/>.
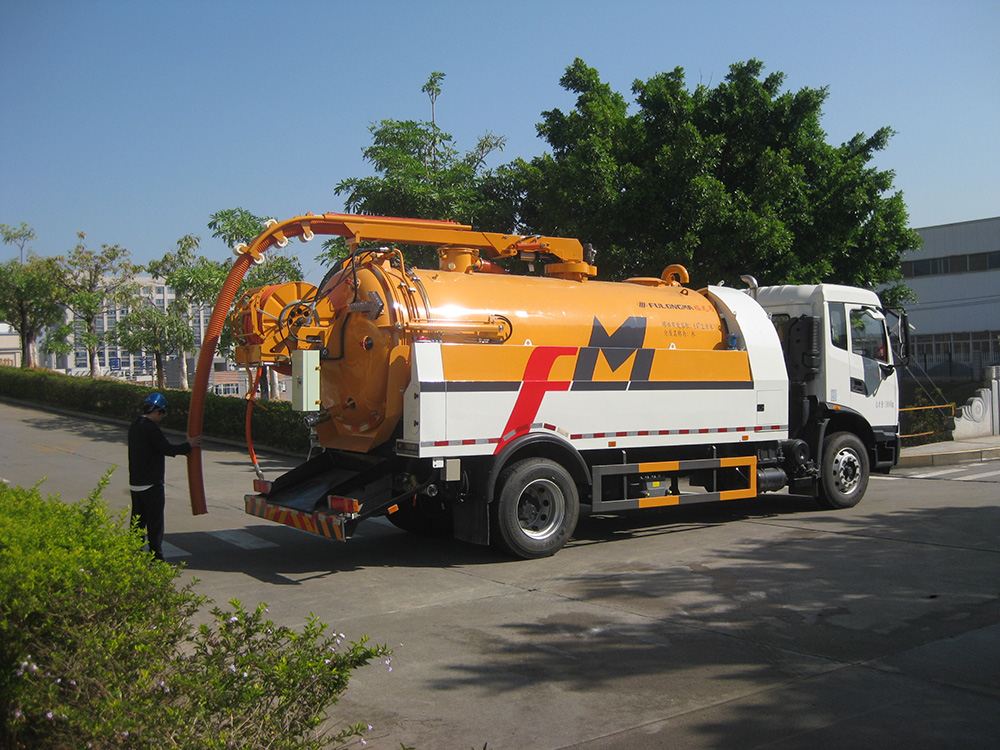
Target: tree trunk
<point x="273" y="377"/>
<point x="92" y="348"/>
<point x="26" y="343"/>
<point x="26" y="360"/>
<point x="183" y="370"/>
<point x="161" y="381"/>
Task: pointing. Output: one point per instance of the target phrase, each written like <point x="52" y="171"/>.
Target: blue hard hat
<point x="156" y="400"/>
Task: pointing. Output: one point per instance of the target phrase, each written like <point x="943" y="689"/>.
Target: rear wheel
<point x="536" y="510"/>
<point x="844" y="477"/>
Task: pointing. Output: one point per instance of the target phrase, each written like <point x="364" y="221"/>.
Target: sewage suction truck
<point x="488" y="405"/>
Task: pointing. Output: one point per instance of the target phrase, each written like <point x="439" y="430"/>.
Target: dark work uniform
<point x="147" y="449"/>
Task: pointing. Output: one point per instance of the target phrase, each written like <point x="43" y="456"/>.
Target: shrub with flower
<point x="98" y="649"/>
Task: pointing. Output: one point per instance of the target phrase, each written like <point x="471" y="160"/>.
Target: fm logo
<point x="616" y="347"/>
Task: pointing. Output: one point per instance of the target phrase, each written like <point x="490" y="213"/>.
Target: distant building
<point x="956" y="277"/>
<point x="112" y="361"/>
<point x="10" y="346"/>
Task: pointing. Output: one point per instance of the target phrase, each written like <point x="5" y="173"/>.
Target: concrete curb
<point x="948" y="458"/>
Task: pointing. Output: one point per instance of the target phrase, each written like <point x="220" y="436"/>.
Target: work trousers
<point x="147" y="514"/>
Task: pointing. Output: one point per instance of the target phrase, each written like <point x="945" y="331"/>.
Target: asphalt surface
<point x="749" y="624"/>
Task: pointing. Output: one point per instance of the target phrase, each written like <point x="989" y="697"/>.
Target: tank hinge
<point x="373" y="306"/>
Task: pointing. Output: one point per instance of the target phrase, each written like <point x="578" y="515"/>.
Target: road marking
<point x="882" y="478"/>
<point x="974" y="477"/>
<point x="170" y="550"/>
<point x="242" y="539"/>
<point x="942" y="472"/>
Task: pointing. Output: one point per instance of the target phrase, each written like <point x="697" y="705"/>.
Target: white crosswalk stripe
<point x="939" y="473"/>
<point x="976" y="477"/>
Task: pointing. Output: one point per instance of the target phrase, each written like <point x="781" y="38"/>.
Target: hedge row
<point x="274" y="424"/>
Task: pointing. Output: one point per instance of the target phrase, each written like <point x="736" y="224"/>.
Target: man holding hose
<point x="147" y="449"/>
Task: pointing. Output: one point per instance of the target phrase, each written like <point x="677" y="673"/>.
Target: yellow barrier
<point x="924" y="408"/>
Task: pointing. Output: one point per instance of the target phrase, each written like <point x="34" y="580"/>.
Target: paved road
<point x="980" y="471"/>
<point x="764" y="623"/>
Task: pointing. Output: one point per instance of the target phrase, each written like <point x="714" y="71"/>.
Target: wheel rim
<point x="846" y="471"/>
<point x="541" y="509"/>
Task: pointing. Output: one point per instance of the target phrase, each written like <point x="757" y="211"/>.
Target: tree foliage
<point x="30" y="300"/>
<point x="18" y="236"/>
<point x="420" y="173"/>
<point x="195" y="281"/>
<point x="727" y="180"/>
<point x="236" y="225"/>
<point x="91" y="281"/>
<point x="203" y="278"/>
<point x="148" y="328"/>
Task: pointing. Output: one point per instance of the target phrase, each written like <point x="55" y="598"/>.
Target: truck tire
<point x="844" y="473"/>
<point x="426" y="516"/>
<point x="536" y="510"/>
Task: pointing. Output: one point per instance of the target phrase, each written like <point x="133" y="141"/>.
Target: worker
<point x="147" y="447"/>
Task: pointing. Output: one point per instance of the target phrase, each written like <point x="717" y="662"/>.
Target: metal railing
<point x="940" y="407"/>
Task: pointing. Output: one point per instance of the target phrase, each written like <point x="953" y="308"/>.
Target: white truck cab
<point x="843" y="385"/>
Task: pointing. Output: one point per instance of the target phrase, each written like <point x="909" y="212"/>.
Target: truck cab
<point x="841" y="370"/>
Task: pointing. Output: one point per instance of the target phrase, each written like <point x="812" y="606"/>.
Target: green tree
<point x="30" y="301"/>
<point x="18" y="236"/>
<point x="420" y="173"/>
<point x="236" y="225"/>
<point x="726" y="180"/>
<point x="91" y="281"/>
<point x="194" y="279"/>
<point x="148" y="328"/>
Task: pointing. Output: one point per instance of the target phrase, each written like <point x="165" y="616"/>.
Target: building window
<point x="950" y="264"/>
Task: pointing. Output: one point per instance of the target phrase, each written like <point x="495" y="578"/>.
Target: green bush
<point x="931" y="422"/>
<point x="98" y="649"/>
<point x="275" y="424"/>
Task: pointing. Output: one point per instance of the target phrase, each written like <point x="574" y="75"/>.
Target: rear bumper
<point x="322" y="523"/>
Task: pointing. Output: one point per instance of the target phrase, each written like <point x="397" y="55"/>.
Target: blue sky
<point x="134" y="121"/>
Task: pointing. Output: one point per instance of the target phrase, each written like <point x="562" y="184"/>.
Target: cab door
<point x="859" y="372"/>
<point x="872" y="374"/>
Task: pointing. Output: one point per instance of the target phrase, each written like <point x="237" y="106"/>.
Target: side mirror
<point x="901" y="336"/>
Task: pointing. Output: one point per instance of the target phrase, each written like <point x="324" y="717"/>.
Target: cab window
<point x="868" y="335"/>
<point x="838" y="325"/>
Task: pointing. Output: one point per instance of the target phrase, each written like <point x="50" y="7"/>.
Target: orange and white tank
<point x="376" y="309"/>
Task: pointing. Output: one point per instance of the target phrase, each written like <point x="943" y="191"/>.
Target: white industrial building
<point x="113" y="361"/>
<point x="956" y="318"/>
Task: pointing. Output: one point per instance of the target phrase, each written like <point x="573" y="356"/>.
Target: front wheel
<point x="844" y="477"/>
<point x="536" y="510"/>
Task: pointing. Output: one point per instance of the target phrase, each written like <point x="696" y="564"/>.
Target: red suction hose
<point x="196" y="413"/>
